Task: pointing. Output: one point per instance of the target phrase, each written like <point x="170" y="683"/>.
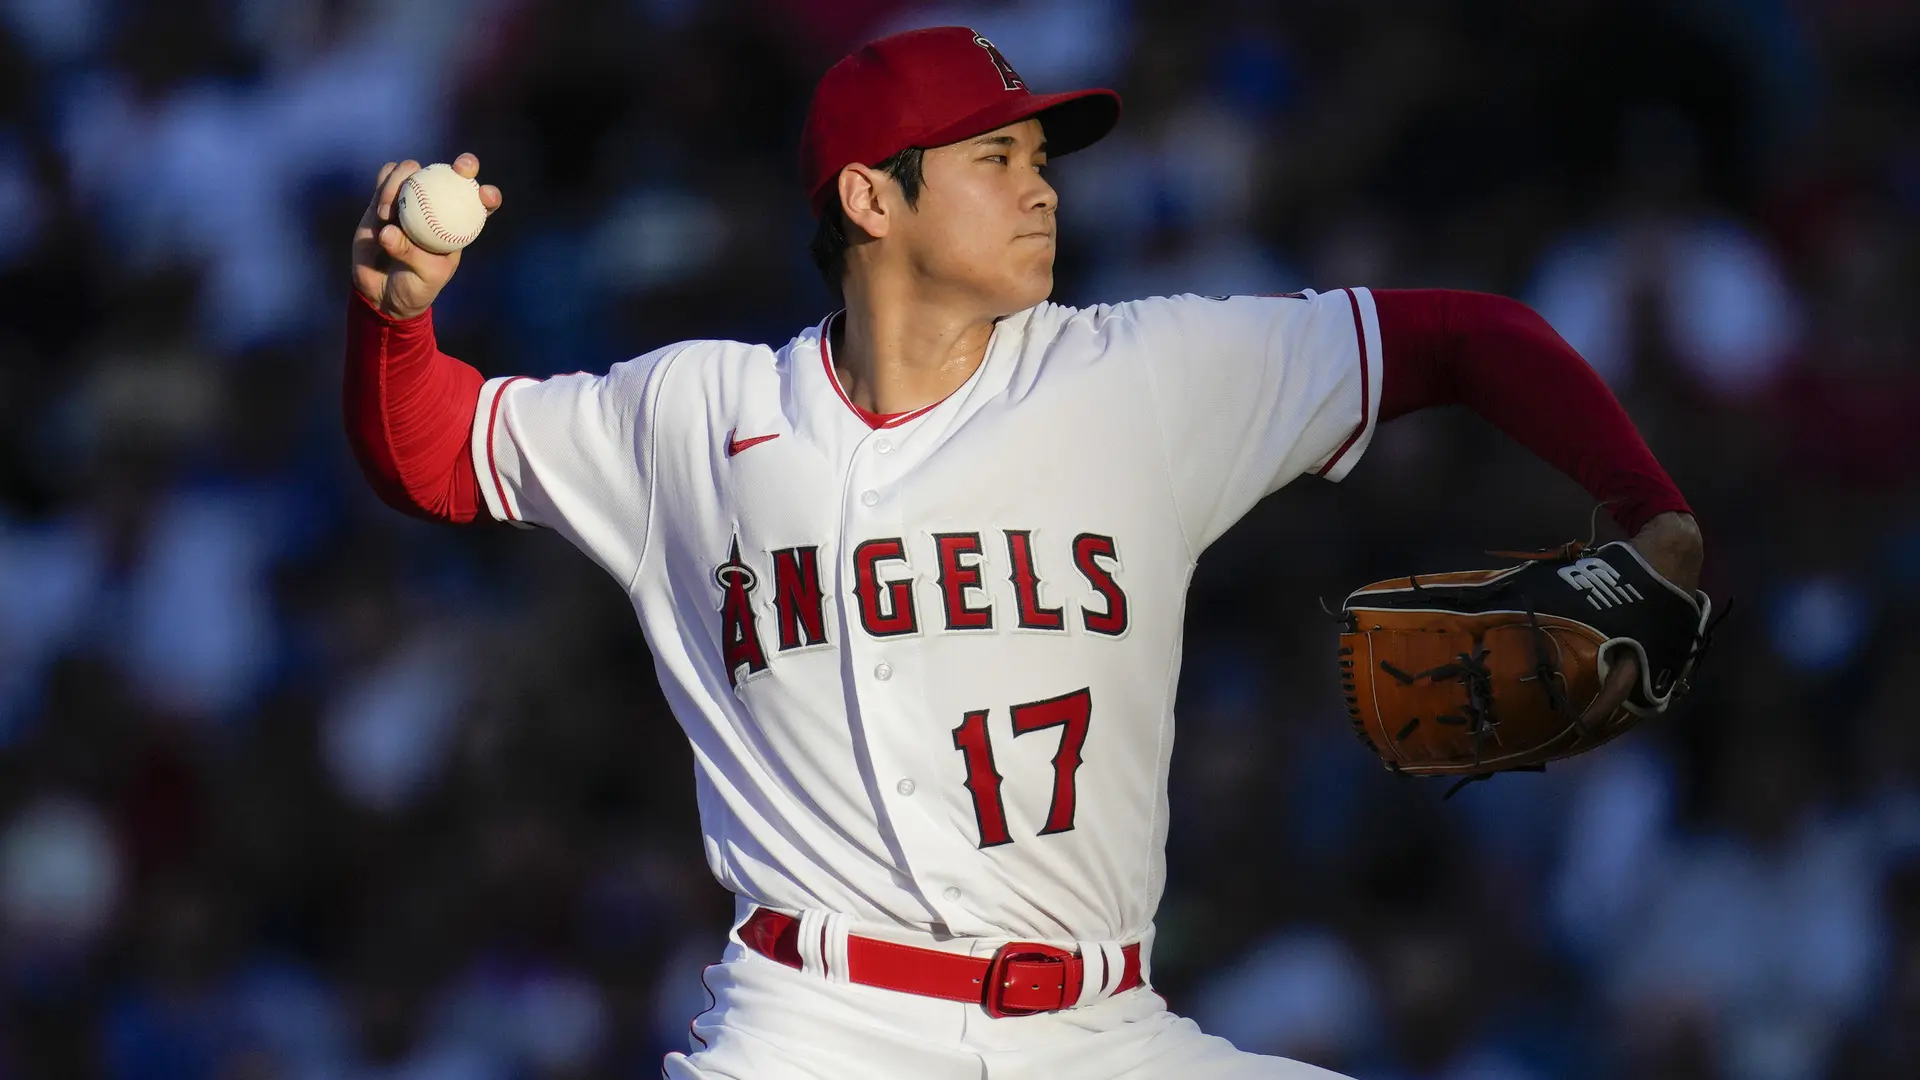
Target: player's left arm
<point x="1499" y="358"/>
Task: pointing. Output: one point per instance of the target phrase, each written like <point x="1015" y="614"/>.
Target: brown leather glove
<point x="1482" y="671"/>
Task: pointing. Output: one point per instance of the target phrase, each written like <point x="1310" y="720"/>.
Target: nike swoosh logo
<point x="735" y="444"/>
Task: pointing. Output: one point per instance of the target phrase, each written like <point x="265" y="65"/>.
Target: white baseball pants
<point x="771" y="1022"/>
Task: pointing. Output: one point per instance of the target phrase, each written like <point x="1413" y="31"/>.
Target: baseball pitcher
<point x="913" y="581"/>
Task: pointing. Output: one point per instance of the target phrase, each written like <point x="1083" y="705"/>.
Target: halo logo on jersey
<point x="1601" y="583"/>
<point x="1009" y="78"/>
<point x="739" y="631"/>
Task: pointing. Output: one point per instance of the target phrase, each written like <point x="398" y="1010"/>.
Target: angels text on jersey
<point x="890" y="593"/>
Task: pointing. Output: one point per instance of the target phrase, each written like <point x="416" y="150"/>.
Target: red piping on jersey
<point x="1366" y="390"/>
<point x="867" y="416"/>
<point x="493" y="415"/>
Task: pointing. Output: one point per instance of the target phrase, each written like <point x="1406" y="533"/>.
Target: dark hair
<point x="830" y="242"/>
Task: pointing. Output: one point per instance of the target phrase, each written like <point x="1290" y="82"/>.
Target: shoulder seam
<point x="1360" y="342"/>
<point x="493" y="464"/>
<point x="1166" y="450"/>
<point x="651" y="437"/>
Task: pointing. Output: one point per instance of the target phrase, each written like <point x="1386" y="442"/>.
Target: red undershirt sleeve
<point x="409" y="415"/>
<point x="1499" y="358"/>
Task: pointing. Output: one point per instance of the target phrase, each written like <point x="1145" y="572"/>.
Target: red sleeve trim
<point x="1366" y="401"/>
<point x="493" y="466"/>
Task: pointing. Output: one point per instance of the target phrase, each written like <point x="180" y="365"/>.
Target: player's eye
<point x="1001" y="158"/>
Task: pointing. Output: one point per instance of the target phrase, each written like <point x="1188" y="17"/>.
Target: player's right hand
<point x="400" y="278"/>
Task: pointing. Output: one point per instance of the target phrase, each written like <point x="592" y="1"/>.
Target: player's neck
<point x="897" y="357"/>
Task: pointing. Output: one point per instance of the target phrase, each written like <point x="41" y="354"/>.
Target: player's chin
<point x="1032" y="283"/>
<point x="1028" y="291"/>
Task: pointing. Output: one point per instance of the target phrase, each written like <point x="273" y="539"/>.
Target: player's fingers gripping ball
<point x="440" y="210"/>
<point x="1481" y="671"/>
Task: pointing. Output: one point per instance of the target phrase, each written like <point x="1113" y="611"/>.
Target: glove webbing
<point x="1468" y="668"/>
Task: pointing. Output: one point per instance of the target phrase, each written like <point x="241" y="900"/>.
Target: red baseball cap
<point x="928" y="88"/>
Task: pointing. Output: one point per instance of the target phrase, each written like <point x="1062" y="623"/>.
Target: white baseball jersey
<point x="928" y="667"/>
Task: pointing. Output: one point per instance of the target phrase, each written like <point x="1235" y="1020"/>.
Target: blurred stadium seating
<point x="294" y="787"/>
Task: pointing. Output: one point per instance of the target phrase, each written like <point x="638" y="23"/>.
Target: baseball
<point x="440" y="210"/>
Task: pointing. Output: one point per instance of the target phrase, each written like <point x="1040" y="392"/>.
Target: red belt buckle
<point x="1000" y="979"/>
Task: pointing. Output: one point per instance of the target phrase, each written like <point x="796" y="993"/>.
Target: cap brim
<point x="1073" y="120"/>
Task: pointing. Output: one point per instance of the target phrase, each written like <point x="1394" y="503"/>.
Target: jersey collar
<point x="823" y="414"/>
<point x="872" y="419"/>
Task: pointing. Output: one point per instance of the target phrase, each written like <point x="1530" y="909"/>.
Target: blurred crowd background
<point x="294" y="787"/>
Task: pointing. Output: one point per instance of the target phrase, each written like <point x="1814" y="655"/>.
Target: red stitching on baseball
<point x="433" y="222"/>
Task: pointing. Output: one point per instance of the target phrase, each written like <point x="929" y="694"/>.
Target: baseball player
<point x="913" y="581"/>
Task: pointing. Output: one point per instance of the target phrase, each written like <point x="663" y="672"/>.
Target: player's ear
<point x="860" y="190"/>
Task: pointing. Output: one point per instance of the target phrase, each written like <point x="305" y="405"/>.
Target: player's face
<point x="985" y="223"/>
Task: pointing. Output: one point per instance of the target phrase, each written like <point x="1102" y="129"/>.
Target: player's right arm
<point x="409" y="407"/>
<point x="439" y="440"/>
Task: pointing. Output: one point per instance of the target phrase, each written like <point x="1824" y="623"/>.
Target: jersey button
<point x="883" y="671"/>
<point x="952" y="893"/>
<point x="883" y="446"/>
<point x="904" y="787"/>
<point x="869" y="497"/>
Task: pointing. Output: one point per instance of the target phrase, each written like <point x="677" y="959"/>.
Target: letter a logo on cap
<point x="1009" y="78"/>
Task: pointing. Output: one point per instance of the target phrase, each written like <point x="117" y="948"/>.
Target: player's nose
<point x="1041" y="195"/>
